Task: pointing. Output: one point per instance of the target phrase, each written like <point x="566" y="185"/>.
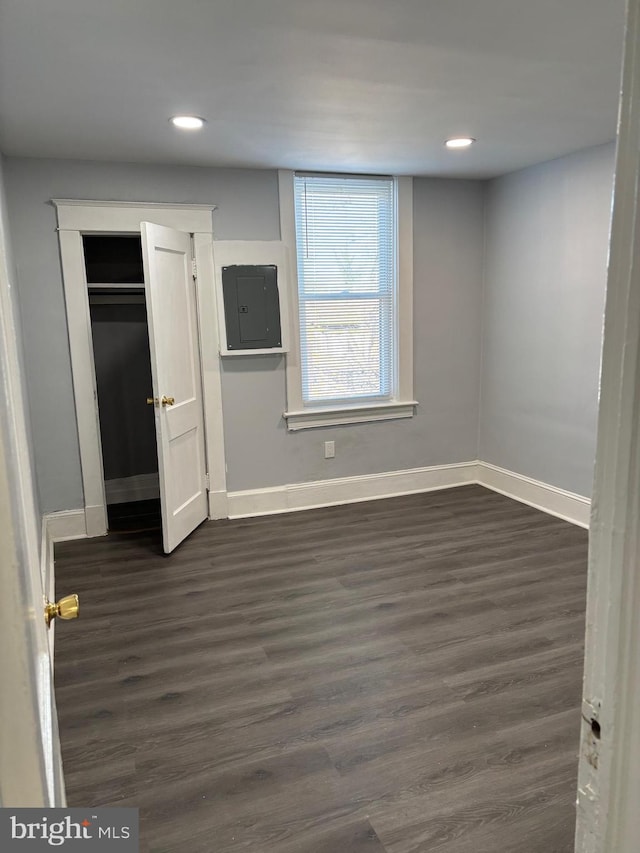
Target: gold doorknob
<point x="151" y="401"/>
<point x="67" y="608"/>
<point x="168" y="401"/>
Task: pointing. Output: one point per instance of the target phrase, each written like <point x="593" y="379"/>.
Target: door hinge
<point x="194" y="269"/>
<point x="207" y="482"/>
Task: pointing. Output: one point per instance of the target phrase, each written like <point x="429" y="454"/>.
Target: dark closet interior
<point x="120" y="335"/>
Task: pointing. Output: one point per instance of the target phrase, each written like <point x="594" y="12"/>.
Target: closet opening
<point x="120" y="336"/>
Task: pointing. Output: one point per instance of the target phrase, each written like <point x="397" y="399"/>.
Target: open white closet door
<point x="177" y="383"/>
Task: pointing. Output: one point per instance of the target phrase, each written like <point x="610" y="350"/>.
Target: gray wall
<point x="249" y="209"/>
<point x="547" y="234"/>
<point x="5" y="242"/>
<point x="448" y="226"/>
<point x="447" y="300"/>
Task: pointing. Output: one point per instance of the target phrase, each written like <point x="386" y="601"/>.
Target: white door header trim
<point x="88" y="215"/>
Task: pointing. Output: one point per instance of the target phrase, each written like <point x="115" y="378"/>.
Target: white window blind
<point x="345" y="236"/>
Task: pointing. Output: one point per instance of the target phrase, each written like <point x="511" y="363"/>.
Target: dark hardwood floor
<point x="400" y="675"/>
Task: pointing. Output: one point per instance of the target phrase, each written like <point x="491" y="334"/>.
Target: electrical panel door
<point x="251" y="307"/>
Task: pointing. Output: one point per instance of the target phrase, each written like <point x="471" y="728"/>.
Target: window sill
<point x="335" y="416"/>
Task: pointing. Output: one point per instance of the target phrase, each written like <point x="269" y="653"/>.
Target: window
<point x="354" y="269"/>
<point x="346" y="287"/>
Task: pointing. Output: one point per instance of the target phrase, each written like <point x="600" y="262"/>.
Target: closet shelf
<point x="119" y="285"/>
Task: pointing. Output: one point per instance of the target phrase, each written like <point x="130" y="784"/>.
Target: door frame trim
<point x="609" y="774"/>
<point x="77" y="217"/>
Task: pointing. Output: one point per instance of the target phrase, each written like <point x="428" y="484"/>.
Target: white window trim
<point x="298" y="416"/>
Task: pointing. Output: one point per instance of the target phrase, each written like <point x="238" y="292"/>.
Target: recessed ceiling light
<point x="187" y="122"/>
<point x="460" y="142"/>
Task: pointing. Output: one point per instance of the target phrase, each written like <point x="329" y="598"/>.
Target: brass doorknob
<point x="151" y="401"/>
<point x="67" y="608"/>
<point x="168" y="401"/>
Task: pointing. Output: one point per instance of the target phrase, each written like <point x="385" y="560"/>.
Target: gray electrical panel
<point x="251" y="307"/>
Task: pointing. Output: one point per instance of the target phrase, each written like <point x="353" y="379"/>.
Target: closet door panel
<point x="177" y="381"/>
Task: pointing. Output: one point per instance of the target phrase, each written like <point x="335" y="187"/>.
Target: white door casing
<point x="177" y="381"/>
<point x="80" y="216"/>
<point x="609" y="770"/>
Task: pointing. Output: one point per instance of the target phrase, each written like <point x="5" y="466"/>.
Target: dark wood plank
<point x="400" y="675"/>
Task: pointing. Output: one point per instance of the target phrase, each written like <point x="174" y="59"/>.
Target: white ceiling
<point x="344" y="85"/>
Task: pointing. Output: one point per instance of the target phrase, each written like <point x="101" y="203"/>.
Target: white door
<point x="30" y="765"/>
<point x="609" y="771"/>
<point x="177" y="381"/>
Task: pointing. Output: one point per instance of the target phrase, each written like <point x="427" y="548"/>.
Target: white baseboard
<point x="299" y="496"/>
<point x="140" y="487"/>
<point x="61" y="526"/>
<point x="550" y="499"/>
<point x="292" y="497"/>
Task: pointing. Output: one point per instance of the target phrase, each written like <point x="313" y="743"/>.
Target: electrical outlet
<point x="329" y="449"/>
